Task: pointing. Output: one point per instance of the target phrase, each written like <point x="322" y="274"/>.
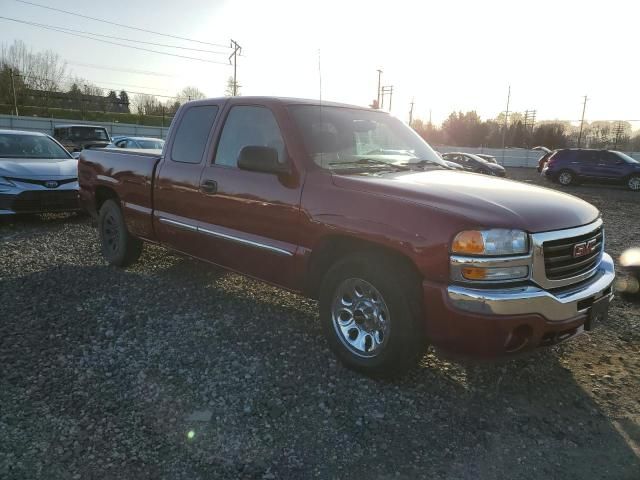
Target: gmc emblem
<point x="584" y="248"/>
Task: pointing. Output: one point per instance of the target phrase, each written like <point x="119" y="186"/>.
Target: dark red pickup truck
<point x="351" y="206"/>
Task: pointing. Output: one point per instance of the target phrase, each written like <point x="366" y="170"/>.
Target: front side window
<point x="248" y="126"/>
<point x="30" y="146"/>
<point x="339" y="137"/>
<point x="192" y="134"/>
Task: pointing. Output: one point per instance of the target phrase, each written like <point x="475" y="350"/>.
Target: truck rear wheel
<point x="119" y="247"/>
<point x="371" y="314"/>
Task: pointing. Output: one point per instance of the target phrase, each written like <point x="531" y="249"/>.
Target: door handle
<point x="209" y="186"/>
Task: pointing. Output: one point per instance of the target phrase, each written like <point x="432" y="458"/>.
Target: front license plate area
<point x="598" y="312"/>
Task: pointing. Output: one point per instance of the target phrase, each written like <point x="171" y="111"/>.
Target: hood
<point x="484" y="201"/>
<point x="38" y="168"/>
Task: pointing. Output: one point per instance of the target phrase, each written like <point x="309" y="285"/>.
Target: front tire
<point x="371" y="314"/>
<point x="633" y="183"/>
<point x="119" y="247"/>
<point x="566" y="178"/>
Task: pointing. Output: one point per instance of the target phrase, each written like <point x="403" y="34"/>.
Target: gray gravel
<point x="173" y="369"/>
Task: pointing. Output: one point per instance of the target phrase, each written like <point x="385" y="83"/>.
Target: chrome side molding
<point x="213" y="233"/>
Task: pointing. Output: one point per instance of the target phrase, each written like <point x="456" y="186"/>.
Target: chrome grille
<point x="561" y="261"/>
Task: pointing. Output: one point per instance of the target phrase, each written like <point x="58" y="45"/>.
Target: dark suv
<point x="571" y="166"/>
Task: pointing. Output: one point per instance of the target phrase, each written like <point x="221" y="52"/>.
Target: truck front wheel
<point x="119" y="247"/>
<point x="371" y="315"/>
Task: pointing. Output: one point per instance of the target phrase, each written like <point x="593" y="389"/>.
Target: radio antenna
<point x="320" y="98"/>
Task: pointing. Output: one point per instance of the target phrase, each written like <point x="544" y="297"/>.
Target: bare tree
<point x="228" y="92"/>
<point x="40" y="71"/>
<point x="147" y="104"/>
<point x="189" y="93"/>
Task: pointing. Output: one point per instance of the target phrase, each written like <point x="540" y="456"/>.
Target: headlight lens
<point x="496" y="241"/>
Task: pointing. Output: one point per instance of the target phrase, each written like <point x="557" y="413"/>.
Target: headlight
<point x="496" y="241"/>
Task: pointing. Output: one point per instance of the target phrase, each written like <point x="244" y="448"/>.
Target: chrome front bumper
<point x="557" y="305"/>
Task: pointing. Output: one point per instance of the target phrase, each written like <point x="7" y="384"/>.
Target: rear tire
<point x="119" y="247"/>
<point x="371" y="314"/>
<point x="633" y="183"/>
<point x="566" y="178"/>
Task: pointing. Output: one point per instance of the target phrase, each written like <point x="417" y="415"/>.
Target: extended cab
<point x="351" y="206"/>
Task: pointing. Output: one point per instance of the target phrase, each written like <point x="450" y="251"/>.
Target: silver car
<point x="37" y="174"/>
<point x="138" y="143"/>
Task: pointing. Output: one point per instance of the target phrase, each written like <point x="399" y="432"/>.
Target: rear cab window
<point x="193" y="133"/>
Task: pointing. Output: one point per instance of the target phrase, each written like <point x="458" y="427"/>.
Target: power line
<point x="92" y="84"/>
<point x="120" y="24"/>
<point x="56" y="27"/>
<point x="109" y="42"/>
<point x="124" y="70"/>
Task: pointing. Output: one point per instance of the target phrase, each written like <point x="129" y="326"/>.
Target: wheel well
<point x="336" y="247"/>
<point x="103" y="194"/>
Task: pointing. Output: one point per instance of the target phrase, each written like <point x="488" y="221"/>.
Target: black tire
<point x="399" y="288"/>
<point x="566" y="178"/>
<point x="119" y="247"/>
<point x="633" y="183"/>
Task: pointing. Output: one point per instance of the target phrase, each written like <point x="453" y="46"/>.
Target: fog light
<point x="502" y="273"/>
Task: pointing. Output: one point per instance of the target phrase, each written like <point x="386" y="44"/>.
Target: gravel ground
<point x="173" y="369"/>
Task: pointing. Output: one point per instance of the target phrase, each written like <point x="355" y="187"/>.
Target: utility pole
<point x="379" y="77"/>
<point x="387" y="89"/>
<point x="411" y="112"/>
<point x="619" y="131"/>
<point x="584" y="106"/>
<point x="429" y="117"/>
<point x="529" y="124"/>
<point x="506" y="119"/>
<point x="13" y="87"/>
<point x="236" y="50"/>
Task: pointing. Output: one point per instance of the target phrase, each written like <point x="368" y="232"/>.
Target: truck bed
<point x="125" y="174"/>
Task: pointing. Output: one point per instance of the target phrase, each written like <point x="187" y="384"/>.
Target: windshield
<point x="338" y="137"/>
<point x="30" y="146"/>
<point x="626" y="157"/>
<point x="157" y="144"/>
<point x="88" y="133"/>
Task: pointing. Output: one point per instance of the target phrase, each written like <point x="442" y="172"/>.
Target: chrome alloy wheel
<point x="565" y="178"/>
<point x="634" y="183"/>
<point x="360" y="317"/>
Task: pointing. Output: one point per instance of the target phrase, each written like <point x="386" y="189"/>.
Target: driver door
<point x="249" y="221"/>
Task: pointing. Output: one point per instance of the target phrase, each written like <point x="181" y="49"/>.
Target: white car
<point x="37" y="174"/>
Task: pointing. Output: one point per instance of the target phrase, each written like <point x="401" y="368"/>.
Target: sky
<point x="445" y="55"/>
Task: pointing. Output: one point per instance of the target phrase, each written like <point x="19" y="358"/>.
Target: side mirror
<point x="75" y="155"/>
<point x="261" y="159"/>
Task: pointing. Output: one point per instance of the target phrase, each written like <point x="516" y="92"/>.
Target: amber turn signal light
<point x="474" y="273"/>
<point x="469" y="242"/>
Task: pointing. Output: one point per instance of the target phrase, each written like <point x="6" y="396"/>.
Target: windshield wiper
<point x="372" y="162"/>
<point x="422" y="163"/>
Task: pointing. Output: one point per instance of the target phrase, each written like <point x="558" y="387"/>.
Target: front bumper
<point x="484" y="321"/>
<point x="553" y="305"/>
<point x="31" y="198"/>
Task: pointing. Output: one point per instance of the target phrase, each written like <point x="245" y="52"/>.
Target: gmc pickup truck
<point x="350" y="206"/>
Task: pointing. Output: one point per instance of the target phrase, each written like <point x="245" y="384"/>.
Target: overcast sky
<point x="448" y="55"/>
